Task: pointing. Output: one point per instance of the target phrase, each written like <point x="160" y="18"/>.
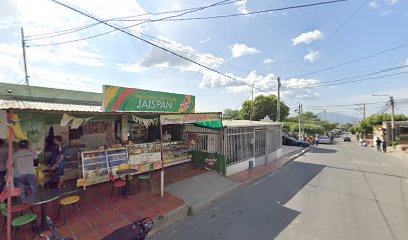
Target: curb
<point x="174" y="216"/>
<point x="290" y="159"/>
<point x="183" y="212"/>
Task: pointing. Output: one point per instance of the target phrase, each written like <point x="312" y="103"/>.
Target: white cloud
<point x="205" y="40"/>
<point x="374" y="4"/>
<point x="268" y="61"/>
<point x="385" y="13"/>
<point x="311" y="56"/>
<point x="307" y="37"/>
<point x="43" y="16"/>
<point x="242" y="6"/>
<point x="161" y="59"/>
<point x="406" y="62"/>
<point x="131" y="68"/>
<point x="391" y="2"/>
<point x="239" y="50"/>
<point x="296" y="88"/>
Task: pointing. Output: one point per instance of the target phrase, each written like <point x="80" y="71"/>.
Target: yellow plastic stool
<point x="68" y="201"/>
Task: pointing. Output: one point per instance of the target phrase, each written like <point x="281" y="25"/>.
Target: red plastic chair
<point x="116" y="185"/>
<point x="20" y="208"/>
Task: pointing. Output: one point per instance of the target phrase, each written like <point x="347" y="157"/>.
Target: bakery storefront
<point x="133" y="126"/>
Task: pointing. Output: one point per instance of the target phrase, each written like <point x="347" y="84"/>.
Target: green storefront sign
<point x="119" y="99"/>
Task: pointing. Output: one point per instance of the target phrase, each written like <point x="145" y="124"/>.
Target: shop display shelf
<point x="117" y="154"/>
<point x="176" y="162"/>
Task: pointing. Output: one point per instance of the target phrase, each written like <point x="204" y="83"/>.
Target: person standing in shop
<point x="3" y="163"/>
<point x="24" y="171"/>
<point x="58" y="160"/>
<point x="166" y="136"/>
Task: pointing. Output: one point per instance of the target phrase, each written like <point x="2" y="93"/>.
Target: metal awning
<point x="46" y="106"/>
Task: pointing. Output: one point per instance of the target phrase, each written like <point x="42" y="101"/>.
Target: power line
<point x="354" y="104"/>
<point x="359" y="80"/>
<point x="352" y="61"/>
<point x="184" y="19"/>
<point x="243" y="101"/>
<point x="122" y="28"/>
<point x="76" y="29"/>
<point x="155" y="45"/>
<point x="348" y="78"/>
<point x="257" y="12"/>
<point x="342" y="25"/>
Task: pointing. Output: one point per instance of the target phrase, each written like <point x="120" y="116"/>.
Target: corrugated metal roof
<point x="47" y="106"/>
<point x="247" y="123"/>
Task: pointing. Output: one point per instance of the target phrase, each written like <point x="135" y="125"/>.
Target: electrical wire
<point x="123" y="28"/>
<point x="343" y="24"/>
<point x="67" y="31"/>
<point x="347" y="82"/>
<point x="184" y="19"/>
<point x="343" y="79"/>
<point x="257" y="12"/>
<point x="243" y="101"/>
<point x="155" y="45"/>
<point x="352" y="61"/>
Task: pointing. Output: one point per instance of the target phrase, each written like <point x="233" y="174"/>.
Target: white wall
<point x="239" y="167"/>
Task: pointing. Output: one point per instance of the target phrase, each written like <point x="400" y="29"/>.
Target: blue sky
<point x="254" y="49"/>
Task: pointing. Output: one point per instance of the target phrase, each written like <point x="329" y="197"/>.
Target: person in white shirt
<point x="24" y="171"/>
<point x="166" y="136"/>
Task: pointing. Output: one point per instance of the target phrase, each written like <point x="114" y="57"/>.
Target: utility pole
<point x="325" y="115"/>
<point x="392" y="119"/>
<point x="300" y="120"/>
<point x="303" y="126"/>
<point x="25" y="62"/>
<point x="392" y="104"/>
<point x="252" y="104"/>
<point x="278" y="102"/>
<point x="364" y="111"/>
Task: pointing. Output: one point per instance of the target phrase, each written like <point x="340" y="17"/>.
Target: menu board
<point x="142" y="155"/>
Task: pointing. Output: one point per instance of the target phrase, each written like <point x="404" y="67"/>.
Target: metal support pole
<point x="162" y="160"/>
<point x="278" y="102"/>
<point x="10" y="185"/>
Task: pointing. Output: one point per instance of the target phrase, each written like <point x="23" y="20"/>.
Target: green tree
<point x="367" y="124"/>
<point x="263" y="106"/>
<point x="230" y="114"/>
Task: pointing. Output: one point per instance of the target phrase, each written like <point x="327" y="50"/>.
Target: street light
<point x="392" y="113"/>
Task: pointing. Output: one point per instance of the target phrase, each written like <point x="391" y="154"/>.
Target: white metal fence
<point x="208" y="140"/>
<point x="244" y="143"/>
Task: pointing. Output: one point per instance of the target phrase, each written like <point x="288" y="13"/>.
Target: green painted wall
<point x="221" y="164"/>
<point x="49" y="94"/>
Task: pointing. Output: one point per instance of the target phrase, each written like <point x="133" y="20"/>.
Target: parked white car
<point x="324" y="140"/>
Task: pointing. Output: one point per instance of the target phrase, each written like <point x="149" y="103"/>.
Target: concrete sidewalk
<point x="199" y="191"/>
<point x="289" y="153"/>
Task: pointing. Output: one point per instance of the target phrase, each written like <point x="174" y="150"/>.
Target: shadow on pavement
<point x="253" y="212"/>
<point x="323" y="150"/>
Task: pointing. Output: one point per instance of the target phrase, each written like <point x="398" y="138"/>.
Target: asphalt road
<point x="340" y="191"/>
